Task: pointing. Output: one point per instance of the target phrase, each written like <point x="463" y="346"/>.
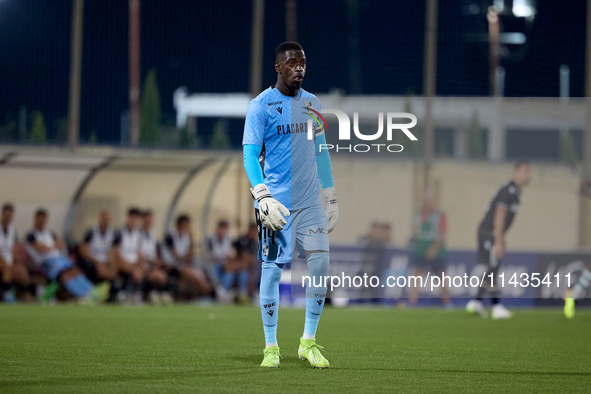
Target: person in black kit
<point x="491" y="238"/>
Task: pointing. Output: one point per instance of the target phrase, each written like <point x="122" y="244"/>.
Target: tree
<point x="39" y="131"/>
<point x="568" y="152"/>
<point x="150" y="112"/>
<point x="60" y="127"/>
<point x="92" y="137"/>
<point x="475" y="143"/>
<point x="219" y="138"/>
<point x="8" y="131"/>
<point x="187" y="139"/>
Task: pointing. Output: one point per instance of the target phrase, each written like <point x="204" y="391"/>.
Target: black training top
<point x="508" y="196"/>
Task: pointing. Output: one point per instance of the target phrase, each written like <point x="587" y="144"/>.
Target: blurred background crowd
<point x="134" y="264"/>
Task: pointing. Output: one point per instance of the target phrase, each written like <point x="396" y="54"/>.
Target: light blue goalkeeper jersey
<point x="278" y="123"/>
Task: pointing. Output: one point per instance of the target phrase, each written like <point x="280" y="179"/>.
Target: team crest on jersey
<point x="320" y="125"/>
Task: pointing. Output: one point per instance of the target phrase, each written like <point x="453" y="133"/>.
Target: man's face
<point x="184" y="227"/>
<point x="292" y="67"/>
<point x="427" y="201"/>
<point x="132" y="220"/>
<point x="148" y="220"/>
<point x="374" y="232"/>
<point x="40" y="221"/>
<point x="222" y="231"/>
<point x="7" y="215"/>
<point x="523" y="174"/>
<point x="105" y="218"/>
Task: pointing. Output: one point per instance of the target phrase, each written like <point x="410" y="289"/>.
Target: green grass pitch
<point x="186" y="348"/>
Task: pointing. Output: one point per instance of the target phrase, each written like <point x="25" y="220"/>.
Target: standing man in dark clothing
<point x="491" y="238"/>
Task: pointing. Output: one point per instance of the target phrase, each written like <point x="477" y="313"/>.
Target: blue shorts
<point x="306" y="229"/>
<point x="52" y="268"/>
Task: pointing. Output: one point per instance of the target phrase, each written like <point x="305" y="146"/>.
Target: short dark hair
<point x="147" y="212"/>
<point x="182" y="219"/>
<point x="40" y="212"/>
<point x="223" y="224"/>
<point x="7" y="207"/>
<point x="287" y="46"/>
<point x="520" y="163"/>
<point x="134" y="211"/>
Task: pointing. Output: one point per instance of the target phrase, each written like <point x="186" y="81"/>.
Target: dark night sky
<point x="206" y="47"/>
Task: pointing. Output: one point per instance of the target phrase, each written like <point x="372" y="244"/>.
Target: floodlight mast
<point x="75" y="73"/>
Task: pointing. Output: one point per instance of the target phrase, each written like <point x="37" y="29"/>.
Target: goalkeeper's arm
<point x="326" y="181"/>
<point x="271" y="211"/>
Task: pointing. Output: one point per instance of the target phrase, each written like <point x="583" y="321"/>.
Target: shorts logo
<point x="319" y="230"/>
<point x="265" y="250"/>
<point x="270" y="313"/>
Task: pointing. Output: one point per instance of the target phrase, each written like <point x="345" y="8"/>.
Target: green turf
<point x="218" y="349"/>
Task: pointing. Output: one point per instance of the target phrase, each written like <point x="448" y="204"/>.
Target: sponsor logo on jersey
<point x="291" y="128"/>
<point x="279" y="109"/>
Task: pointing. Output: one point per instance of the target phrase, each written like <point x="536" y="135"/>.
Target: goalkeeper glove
<point x="332" y="207"/>
<point x="270" y="210"/>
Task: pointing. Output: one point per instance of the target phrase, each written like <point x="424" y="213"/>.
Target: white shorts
<point x="306" y="230"/>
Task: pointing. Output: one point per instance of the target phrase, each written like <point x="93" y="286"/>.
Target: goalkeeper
<point x="286" y="170"/>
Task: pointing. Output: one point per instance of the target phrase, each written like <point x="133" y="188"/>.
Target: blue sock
<point x="315" y="293"/>
<point x="79" y="286"/>
<point x="269" y="298"/>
